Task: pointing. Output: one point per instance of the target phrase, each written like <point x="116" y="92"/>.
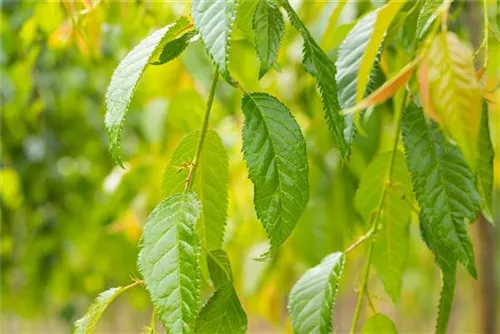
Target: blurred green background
<point x="71" y="219"/>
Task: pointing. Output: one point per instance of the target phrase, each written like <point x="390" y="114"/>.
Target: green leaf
<point x="223" y="312"/>
<point x="391" y="246"/>
<point x="87" y="324"/>
<point x="275" y="152"/>
<point x="214" y="21"/>
<point x="323" y="70"/>
<point x="269" y="28"/>
<point x="444" y="186"/>
<point x="125" y="79"/>
<point x="312" y="298"/>
<point x="210" y="183"/>
<point x="455" y="92"/>
<point x="168" y="260"/>
<point x="378" y="324"/>
<point x="371" y="54"/>
<point x="427" y="15"/>
<point x="174" y="48"/>
<point x="485" y="166"/>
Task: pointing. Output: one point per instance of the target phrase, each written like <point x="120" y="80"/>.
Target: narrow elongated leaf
<point x="275" y="152"/>
<point x="125" y="79"/>
<point x="391" y="246"/>
<point x="372" y="50"/>
<point x="455" y="92"/>
<point x="269" y="28"/>
<point x="214" y="21"/>
<point x="485" y="165"/>
<point x="210" y="183"/>
<point x="87" y="324"/>
<point x="174" y="48"/>
<point x="223" y="312"/>
<point x="168" y="260"/>
<point x="378" y="324"/>
<point x="427" y="15"/>
<point x="323" y="70"/>
<point x="313" y="297"/>
<point x="444" y="187"/>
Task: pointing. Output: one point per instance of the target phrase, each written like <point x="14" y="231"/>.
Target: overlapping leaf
<point x="275" y="152"/>
<point x="214" y="21"/>
<point x="455" y="92"/>
<point x="427" y="15"/>
<point x="223" y="312"/>
<point x="444" y="186"/>
<point x="378" y="324"/>
<point x="174" y="48"/>
<point x="323" y="70"/>
<point x="168" y="260"/>
<point x="269" y="28"/>
<point x="312" y="298"/>
<point x="391" y="246"/>
<point x="384" y="18"/>
<point x="485" y="165"/>
<point x="87" y="324"/>
<point x="210" y="183"/>
<point x="125" y="79"/>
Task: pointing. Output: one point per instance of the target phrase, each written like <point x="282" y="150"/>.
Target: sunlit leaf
<point x="455" y="92"/>
<point x="427" y="15"/>
<point x="168" y="260"/>
<point x="125" y="79"/>
<point x="378" y="324"/>
<point x="269" y="28"/>
<point x="275" y="152"/>
<point x="444" y="186"/>
<point x="210" y="183"/>
<point x="214" y="21"/>
<point x="384" y="19"/>
<point x="391" y="245"/>
<point x="174" y="48"/>
<point x="312" y="298"/>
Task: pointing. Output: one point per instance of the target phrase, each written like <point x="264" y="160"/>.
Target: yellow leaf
<point x="384" y="20"/>
<point x="455" y="92"/>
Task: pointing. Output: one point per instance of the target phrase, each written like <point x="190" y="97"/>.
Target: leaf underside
<point x="275" y="152"/>
<point x="168" y="261"/>
<point x="210" y="183"/>
<point x="312" y="298"/>
<point x="125" y="79"/>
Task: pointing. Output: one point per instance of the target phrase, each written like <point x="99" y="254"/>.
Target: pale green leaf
<point x="455" y="92"/>
<point x="125" y="79"/>
<point x="485" y="166"/>
<point x="275" y="152"/>
<point x="312" y="298"/>
<point x="391" y="245"/>
<point x="169" y="261"/>
<point x="174" y="48"/>
<point x="385" y="16"/>
<point x="210" y="183"/>
<point x="323" y="70"/>
<point x="444" y="187"/>
<point x="219" y="268"/>
<point x="87" y="324"/>
<point x="214" y="21"/>
<point x="427" y="15"/>
<point x="269" y="28"/>
<point x="379" y="324"/>
<point x="351" y="53"/>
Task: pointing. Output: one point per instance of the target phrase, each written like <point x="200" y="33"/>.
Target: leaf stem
<point x="204" y="128"/>
<point x="376" y="219"/>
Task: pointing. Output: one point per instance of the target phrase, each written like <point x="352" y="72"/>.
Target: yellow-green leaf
<point x="455" y="92"/>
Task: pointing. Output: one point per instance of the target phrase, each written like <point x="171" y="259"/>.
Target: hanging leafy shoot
<point x="279" y="173"/>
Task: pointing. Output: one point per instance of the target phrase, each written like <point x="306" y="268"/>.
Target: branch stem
<point x="204" y="128"/>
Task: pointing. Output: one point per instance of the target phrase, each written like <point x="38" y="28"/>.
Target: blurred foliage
<point x="71" y="219"/>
